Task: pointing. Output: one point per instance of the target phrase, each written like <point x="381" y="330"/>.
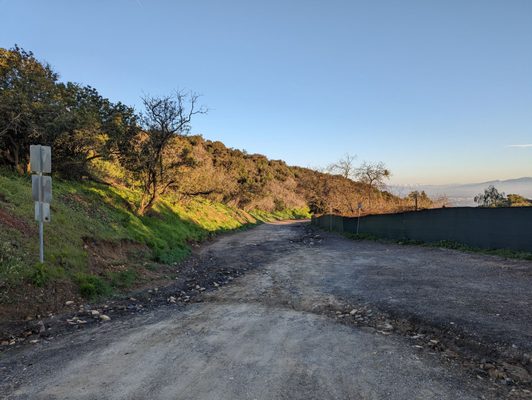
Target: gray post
<point x="41" y="239"/>
<point x="41" y="211"/>
<point x="358" y="219"/>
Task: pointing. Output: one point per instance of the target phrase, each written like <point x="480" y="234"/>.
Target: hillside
<point x="96" y="245"/>
<point x="152" y="150"/>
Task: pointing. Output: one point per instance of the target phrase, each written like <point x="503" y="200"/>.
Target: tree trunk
<point x="147" y="201"/>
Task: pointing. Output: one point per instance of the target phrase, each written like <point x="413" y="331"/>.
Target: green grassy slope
<point x="85" y="214"/>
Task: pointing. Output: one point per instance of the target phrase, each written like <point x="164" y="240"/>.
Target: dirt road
<point x="314" y="316"/>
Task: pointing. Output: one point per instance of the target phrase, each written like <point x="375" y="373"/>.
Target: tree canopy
<point x="491" y="198"/>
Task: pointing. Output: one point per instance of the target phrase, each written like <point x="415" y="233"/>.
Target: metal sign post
<point x="358" y="219"/>
<point x="41" y="188"/>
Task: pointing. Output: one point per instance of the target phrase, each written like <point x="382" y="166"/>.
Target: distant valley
<point x="461" y="195"/>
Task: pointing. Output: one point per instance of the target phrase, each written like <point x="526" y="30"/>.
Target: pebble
<point x="353" y="311"/>
<point x="171" y="299"/>
<point x="95" y="313"/>
<point x="496" y="374"/>
<point x="387" y="326"/>
<point x="519" y="372"/>
<point x="104" y="317"/>
<point x="69" y="303"/>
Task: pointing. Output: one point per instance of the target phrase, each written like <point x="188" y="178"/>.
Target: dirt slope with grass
<point x="96" y="245"/>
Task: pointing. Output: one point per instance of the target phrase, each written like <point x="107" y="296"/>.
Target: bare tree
<point x="344" y="166"/>
<point x="150" y="157"/>
<point x="374" y="176"/>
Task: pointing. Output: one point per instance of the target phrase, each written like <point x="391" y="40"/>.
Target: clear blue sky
<point x="438" y="90"/>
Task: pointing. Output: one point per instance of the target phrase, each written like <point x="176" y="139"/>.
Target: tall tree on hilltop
<point x="28" y="103"/>
<point x="88" y="127"/>
<point x="75" y="120"/>
<point x="344" y="166"/>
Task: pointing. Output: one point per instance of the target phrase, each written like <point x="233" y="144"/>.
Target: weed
<point x="506" y="253"/>
<point x="151" y="266"/>
<point x="410" y="242"/>
<point x="12" y="263"/>
<point x="41" y="274"/>
<point x="92" y="286"/>
<point x="123" y="279"/>
<point x="361" y="236"/>
<point x="447" y="244"/>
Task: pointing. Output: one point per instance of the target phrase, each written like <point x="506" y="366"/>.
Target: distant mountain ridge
<point x="463" y="194"/>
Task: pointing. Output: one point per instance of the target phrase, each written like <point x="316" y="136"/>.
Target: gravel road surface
<point x="313" y="316"/>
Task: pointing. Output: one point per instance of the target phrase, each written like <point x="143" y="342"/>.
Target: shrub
<point x="123" y="279"/>
<point x="41" y="274"/>
<point x="92" y="286"/>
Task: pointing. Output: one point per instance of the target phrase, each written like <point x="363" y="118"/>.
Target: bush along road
<point x="284" y="311"/>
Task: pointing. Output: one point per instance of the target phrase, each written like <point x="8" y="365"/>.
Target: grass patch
<point x="13" y="266"/>
<point x="506" y="253"/>
<point x="122" y="279"/>
<point x="41" y="274"/>
<point x="296" y="213"/>
<point x="92" y="286"/>
<point x="446" y="244"/>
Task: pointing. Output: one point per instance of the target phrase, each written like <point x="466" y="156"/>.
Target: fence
<point x="490" y="228"/>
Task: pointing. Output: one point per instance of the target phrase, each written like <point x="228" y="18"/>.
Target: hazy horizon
<point x="440" y="92"/>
